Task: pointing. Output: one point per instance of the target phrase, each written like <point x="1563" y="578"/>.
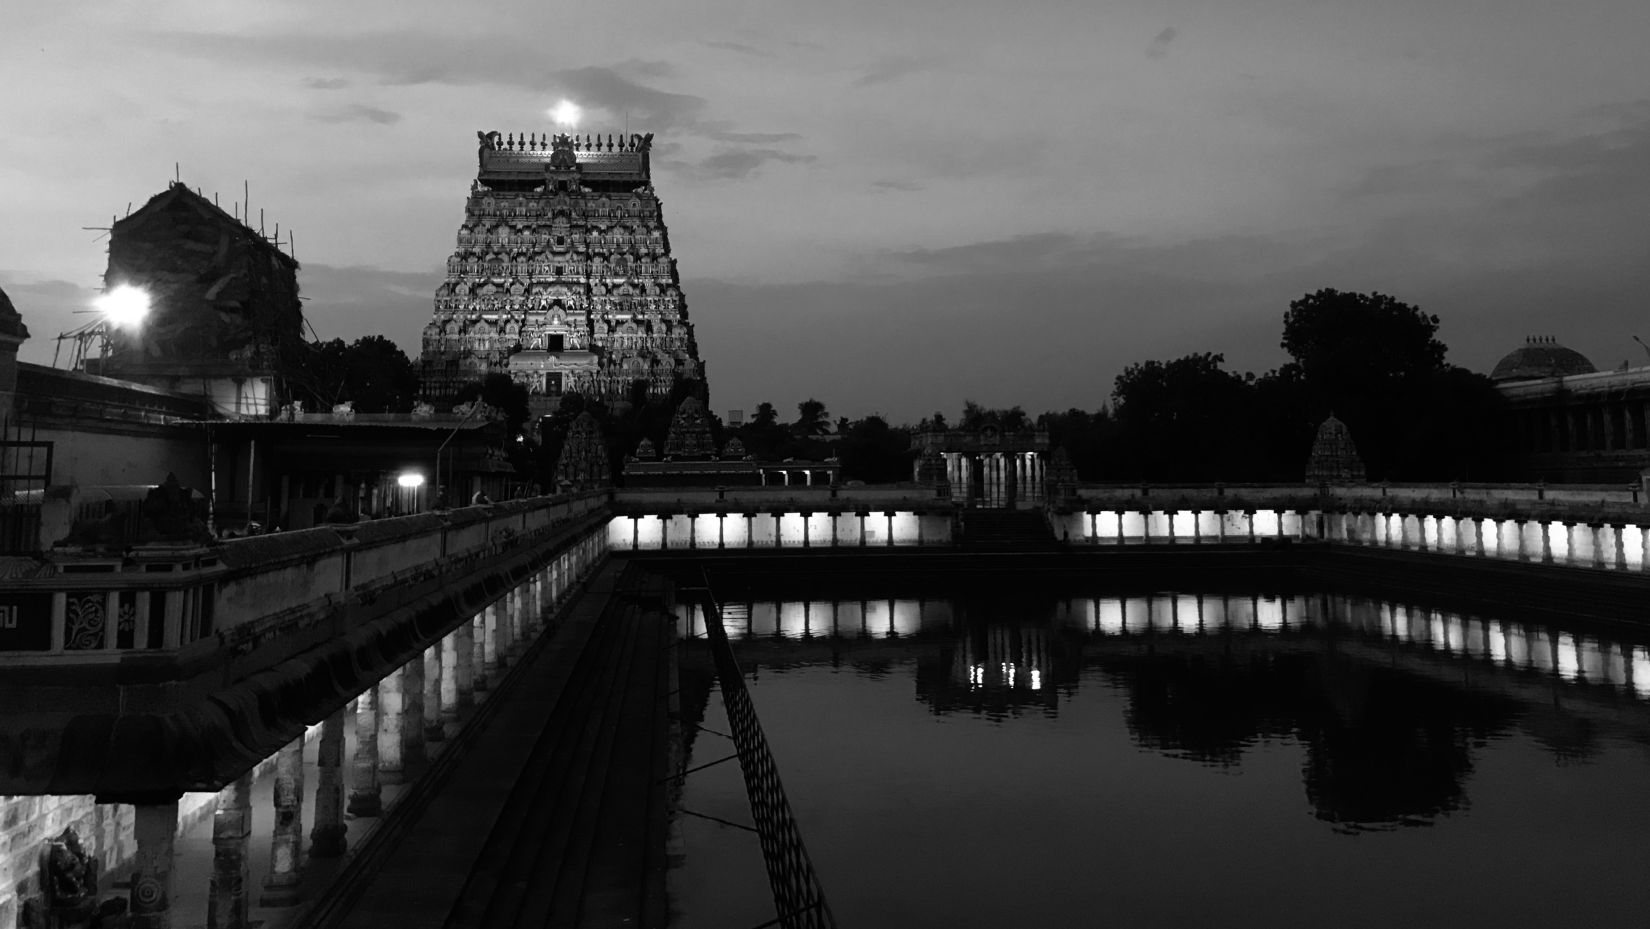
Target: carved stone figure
<point x="485" y="142"/>
<point x="70" y="879"/>
<point x="646" y="452"/>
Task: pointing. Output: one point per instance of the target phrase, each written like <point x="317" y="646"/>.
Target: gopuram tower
<point x="562" y="276"/>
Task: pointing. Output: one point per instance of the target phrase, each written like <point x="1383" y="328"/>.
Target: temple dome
<point x="1540" y="357"/>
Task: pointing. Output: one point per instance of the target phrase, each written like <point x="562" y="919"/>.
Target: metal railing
<point x="797" y="895"/>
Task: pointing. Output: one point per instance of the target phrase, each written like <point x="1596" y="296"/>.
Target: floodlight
<point x="410" y="480"/>
<point x="124" y="307"/>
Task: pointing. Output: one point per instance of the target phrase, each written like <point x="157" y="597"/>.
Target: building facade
<point x="562" y="276"/>
<point x="1566" y="422"/>
<point x="224" y="314"/>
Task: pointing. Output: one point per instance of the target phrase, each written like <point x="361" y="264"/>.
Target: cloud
<point x="748" y="138"/>
<point x="356" y="113"/>
<point x="734" y="164"/>
<point x="892" y="184"/>
<point x="741" y="48"/>
<point x="889" y="69"/>
<point x="1159" y="47"/>
<point x="326" y="83"/>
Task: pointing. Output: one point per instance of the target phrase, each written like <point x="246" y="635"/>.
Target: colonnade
<point x="996" y="478"/>
<point x="796" y="529"/>
<point x="1607" y="545"/>
<point x="1128" y="526"/>
<point x="393" y="726"/>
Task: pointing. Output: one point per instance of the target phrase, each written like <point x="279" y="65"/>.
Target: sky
<point x="892" y="208"/>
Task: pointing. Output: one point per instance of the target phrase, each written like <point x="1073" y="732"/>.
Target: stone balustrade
<point x="235" y="595"/>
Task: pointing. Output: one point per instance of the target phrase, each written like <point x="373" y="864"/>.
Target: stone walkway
<point x="555" y="813"/>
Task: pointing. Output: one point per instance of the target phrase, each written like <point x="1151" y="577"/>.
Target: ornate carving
<point x="646" y="452"/>
<point x="583" y="460"/>
<point x="83" y="622"/>
<point x="689" y="435"/>
<point x="734" y="450"/>
<point x="1334" y="458"/>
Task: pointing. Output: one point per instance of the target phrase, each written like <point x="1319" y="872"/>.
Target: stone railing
<point x="85" y="606"/>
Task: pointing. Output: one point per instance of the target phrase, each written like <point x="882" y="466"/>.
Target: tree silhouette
<point x="811" y="419"/>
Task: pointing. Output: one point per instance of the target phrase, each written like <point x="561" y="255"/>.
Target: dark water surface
<point x="1180" y="760"/>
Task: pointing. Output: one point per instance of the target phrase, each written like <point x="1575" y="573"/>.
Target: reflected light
<point x="1036" y="679"/>
<point x="125" y="307"/>
<point x="566" y="113"/>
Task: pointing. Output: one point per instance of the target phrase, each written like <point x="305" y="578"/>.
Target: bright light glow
<point x="566" y="113"/>
<point x="410" y="479"/>
<point x="125" y="307"/>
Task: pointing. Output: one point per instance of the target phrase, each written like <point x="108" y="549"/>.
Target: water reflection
<point x="1390" y="701"/>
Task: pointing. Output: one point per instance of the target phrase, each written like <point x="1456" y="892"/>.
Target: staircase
<point x="1007" y="531"/>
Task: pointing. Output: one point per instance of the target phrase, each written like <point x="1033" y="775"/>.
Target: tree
<point x="811" y="419"/>
<point x="1346" y="342"/>
<point x="1185" y="420"/>
<point x="1377" y="364"/>
<point x="872" y="451"/>
<point x="765" y="415"/>
<point x="372" y="372"/>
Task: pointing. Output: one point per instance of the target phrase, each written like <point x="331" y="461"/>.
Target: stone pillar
<point x="1546" y="543"/>
<point x="478" y="653"/>
<point x="458" y="666"/>
<point x="1249" y="516"/>
<point x="1594" y="534"/>
<point x="1618" y="530"/>
<point x="364" y="793"/>
<point x="226" y="901"/>
<point x="1011" y="481"/>
<point x="492" y="656"/>
<point x="326" y="839"/>
<point x="412" y="712"/>
<point x="434" y="683"/>
<point x="155" y="826"/>
<point x="391" y="725"/>
<point x="806" y="519"/>
<point x="286" y="850"/>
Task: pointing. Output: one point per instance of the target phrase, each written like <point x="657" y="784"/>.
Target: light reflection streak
<point x="1019" y="656"/>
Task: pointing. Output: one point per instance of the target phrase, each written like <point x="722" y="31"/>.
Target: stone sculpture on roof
<point x="1334" y="458"/>
<point x="689" y="436"/>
